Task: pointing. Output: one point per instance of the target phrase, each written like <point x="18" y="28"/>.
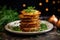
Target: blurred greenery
<point x="6" y="16"/>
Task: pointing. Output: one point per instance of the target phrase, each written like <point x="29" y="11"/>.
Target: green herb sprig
<point x="30" y="9"/>
<point x="43" y="26"/>
<point x="16" y="28"/>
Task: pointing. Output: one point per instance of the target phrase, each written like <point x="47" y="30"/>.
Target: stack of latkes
<point x="29" y="21"/>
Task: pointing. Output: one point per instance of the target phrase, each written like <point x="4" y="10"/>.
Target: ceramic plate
<point x="17" y="23"/>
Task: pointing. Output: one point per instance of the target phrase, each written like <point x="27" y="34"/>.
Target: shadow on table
<point x="24" y="36"/>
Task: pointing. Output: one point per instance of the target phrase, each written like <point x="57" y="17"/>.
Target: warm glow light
<point x="40" y="4"/>
<point x="58" y="1"/>
<point x="47" y="1"/>
<point x="58" y="10"/>
<point x="47" y="9"/>
<point x="24" y="5"/>
<point x="53" y="2"/>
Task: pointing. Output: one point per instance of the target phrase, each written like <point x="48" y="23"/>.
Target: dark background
<point x="17" y="4"/>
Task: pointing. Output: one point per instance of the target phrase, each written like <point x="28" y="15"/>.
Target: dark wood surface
<point x="51" y="35"/>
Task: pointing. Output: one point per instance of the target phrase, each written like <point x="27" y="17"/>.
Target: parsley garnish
<point x="30" y="9"/>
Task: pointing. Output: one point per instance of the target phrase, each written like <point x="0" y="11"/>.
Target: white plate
<point x="16" y="23"/>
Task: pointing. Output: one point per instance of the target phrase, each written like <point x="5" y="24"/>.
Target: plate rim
<point x="38" y="32"/>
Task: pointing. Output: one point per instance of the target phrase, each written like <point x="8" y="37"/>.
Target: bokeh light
<point x="53" y="2"/>
<point x="46" y="9"/>
<point x="58" y="1"/>
<point x="40" y="4"/>
<point x="58" y="10"/>
<point x="24" y="5"/>
<point x="47" y="1"/>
